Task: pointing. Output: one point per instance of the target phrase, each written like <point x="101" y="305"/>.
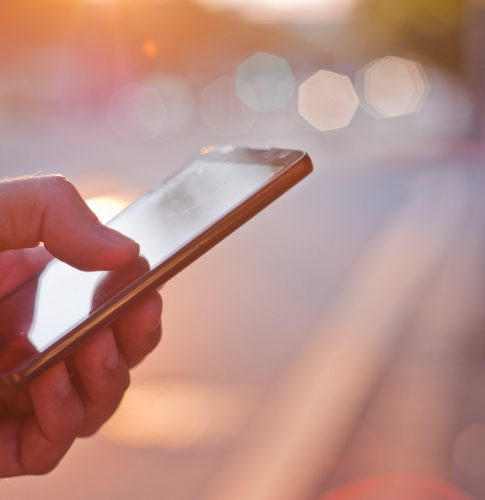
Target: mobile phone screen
<point x="162" y="222"/>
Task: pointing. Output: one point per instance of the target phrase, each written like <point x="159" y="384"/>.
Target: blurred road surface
<point x="335" y="336"/>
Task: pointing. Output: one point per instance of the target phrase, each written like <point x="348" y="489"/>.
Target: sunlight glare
<point x="106" y="207"/>
<point x="150" y="48"/>
<point x="178" y="415"/>
<point x="287" y="10"/>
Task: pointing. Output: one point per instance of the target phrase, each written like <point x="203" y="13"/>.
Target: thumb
<point x="49" y="209"/>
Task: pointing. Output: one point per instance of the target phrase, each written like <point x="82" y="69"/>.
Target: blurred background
<point x="334" y="347"/>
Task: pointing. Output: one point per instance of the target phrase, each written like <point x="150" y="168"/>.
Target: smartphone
<point x="43" y="320"/>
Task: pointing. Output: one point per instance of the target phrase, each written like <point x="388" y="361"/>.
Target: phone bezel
<point x="298" y="165"/>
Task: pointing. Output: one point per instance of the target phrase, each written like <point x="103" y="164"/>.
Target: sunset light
<point x="277" y="10"/>
<point x="286" y="10"/>
<point x="332" y="348"/>
<point x="106" y="207"/>
<point x="177" y="415"/>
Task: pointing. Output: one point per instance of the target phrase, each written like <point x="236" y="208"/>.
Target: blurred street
<point x="331" y="348"/>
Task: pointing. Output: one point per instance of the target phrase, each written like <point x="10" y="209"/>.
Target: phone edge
<point x="228" y="224"/>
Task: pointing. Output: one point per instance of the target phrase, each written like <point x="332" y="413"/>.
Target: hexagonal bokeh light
<point x="179" y="101"/>
<point x="136" y="113"/>
<point x="327" y="100"/>
<point x="221" y="109"/>
<point x="393" y="86"/>
<point x="271" y="79"/>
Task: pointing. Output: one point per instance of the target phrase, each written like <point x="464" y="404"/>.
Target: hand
<point x="39" y="424"/>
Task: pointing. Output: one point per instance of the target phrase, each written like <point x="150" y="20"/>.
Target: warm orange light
<point x="179" y="415"/>
<point x="287" y="10"/>
<point x="398" y="486"/>
<point x="150" y="48"/>
<point x="106" y="207"/>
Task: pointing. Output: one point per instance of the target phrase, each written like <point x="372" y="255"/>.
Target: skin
<point x="40" y="423"/>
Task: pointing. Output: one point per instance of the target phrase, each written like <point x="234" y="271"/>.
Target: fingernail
<point x="63" y="385"/>
<point x="113" y="360"/>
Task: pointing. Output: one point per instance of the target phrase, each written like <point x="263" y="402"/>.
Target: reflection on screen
<point x="162" y="222"/>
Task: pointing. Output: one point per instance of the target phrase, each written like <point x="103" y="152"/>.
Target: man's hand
<point x="39" y="424"/>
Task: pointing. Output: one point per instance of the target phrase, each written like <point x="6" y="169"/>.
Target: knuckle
<point x="59" y="184"/>
<point x="55" y="178"/>
<point x="149" y="340"/>
<point x="155" y="337"/>
<point x="154" y="313"/>
<point x="77" y="419"/>
<point x="100" y="412"/>
<point x="158" y="300"/>
<point x="119" y="384"/>
<point x="143" y="349"/>
<point x="54" y="189"/>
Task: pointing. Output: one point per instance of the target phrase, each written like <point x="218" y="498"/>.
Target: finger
<point x="102" y="377"/>
<point x="59" y="414"/>
<point x="49" y="209"/>
<point x="139" y="330"/>
<point x="18" y="406"/>
<point x="114" y="281"/>
<point x="18" y="266"/>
